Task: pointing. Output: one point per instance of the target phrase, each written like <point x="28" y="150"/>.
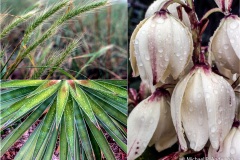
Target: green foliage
<point x="74" y="111"/>
<point x="53" y="30"/>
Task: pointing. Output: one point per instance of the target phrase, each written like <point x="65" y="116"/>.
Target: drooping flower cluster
<point x="203" y="104"/>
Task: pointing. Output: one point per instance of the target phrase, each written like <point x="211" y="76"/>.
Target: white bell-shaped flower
<point x="150" y="123"/>
<point x="172" y="8"/>
<point x="160" y="46"/>
<point x="203" y="107"/>
<point x="225" y="5"/>
<point x="225" y="44"/>
<point x="229" y="149"/>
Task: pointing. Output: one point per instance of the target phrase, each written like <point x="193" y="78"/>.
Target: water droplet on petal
<point x="215" y="91"/>
<point x="208" y="95"/>
<point x="234" y="25"/>
<point x="192" y="144"/>
<point x="190" y="108"/>
<point x="160" y="50"/>
<point x="160" y="20"/>
<point x="199" y="95"/>
<point x="213" y="129"/>
<point x="225" y="46"/>
<point x="136" y="42"/>
<point x="232" y="40"/>
<point x="142" y="118"/>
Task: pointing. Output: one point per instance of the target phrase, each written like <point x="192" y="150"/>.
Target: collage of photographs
<point x="120" y="79"/>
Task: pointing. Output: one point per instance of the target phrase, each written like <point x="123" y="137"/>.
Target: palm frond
<point x="79" y="113"/>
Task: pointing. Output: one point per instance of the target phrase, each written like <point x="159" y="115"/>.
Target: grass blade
<point x="83" y="133"/>
<point x="17" y="133"/>
<point x="82" y="101"/>
<point x="20" y="83"/>
<point x="63" y="141"/>
<point x="46" y="128"/>
<point x="62" y="99"/>
<point x="69" y="126"/>
<point x="101" y="140"/>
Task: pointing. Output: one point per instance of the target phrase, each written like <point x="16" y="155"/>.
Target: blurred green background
<point x="102" y="51"/>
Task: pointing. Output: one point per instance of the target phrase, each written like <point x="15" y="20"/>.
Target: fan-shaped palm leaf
<point x="78" y="112"/>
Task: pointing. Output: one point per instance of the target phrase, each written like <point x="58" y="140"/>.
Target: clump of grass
<point x="25" y="50"/>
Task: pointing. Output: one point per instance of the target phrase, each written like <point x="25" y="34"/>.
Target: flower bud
<point x="203" y="106"/>
<point x="225" y="5"/>
<point x="160" y="46"/>
<point x="150" y="121"/>
<point x="225" y="43"/>
<point x="230" y="148"/>
<point x="158" y="4"/>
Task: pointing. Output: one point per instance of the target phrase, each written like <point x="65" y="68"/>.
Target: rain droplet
<point x="232" y="40"/>
<point x="181" y="58"/>
<point x="140" y="64"/>
<point x="153" y="25"/>
<point x="160" y="50"/>
<point x="192" y="144"/>
<point x="177" y="54"/>
<point x="210" y="110"/>
<point x="219" y="121"/>
<point x="208" y="95"/>
<point x="225" y="46"/>
<point x="234" y="25"/>
<point x="147" y="57"/>
<point x="215" y="91"/>
<point x="166" y="59"/>
<point x="213" y="129"/>
<point x="160" y="55"/>
<point x="232" y="150"/>
<point x="142" y="118"/>
<point x="185" y="52"/>
<point x="191" y="101"/>
<point x="136" y="42"/>
<point x="160" y="20"/>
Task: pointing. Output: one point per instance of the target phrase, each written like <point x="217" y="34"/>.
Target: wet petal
<point x="220" y="102"/>
<point x="142" y="123"/>
<point x="194" y="113"/>
<point x="176" y="105"/>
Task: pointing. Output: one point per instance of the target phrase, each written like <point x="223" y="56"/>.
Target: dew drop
<point x="177" y="54"/>
<point x="232" y="40"/>
<point x="225" y="46"/>
<point x="208" y="95"/>
<point x="192" y="144"/>
<point x="160" y="55"/>
<point x="160" y="21"/>
<point x="185" y="52"/>
<point x="219" y="121"/>
<point x="234" y="25"/>
<point x="166" y="59"/>
<point x="213" y="129"/>
<point x="160" y="50"/>
<point x="140" y="64"/>
<point x="147" y="57"/>
<point x="153" y="25"/>
<point x="136" y="42"/>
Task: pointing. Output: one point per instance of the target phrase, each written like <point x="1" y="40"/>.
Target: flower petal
<point x="165" y="134"/>
<point x="222" y="49"/>
<point x="142" y="123"/>
<point x="221" y="104"/>
<point x="176" y="104"/>
<point x="194" y="113"/>
<point x="132" y="50"/>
